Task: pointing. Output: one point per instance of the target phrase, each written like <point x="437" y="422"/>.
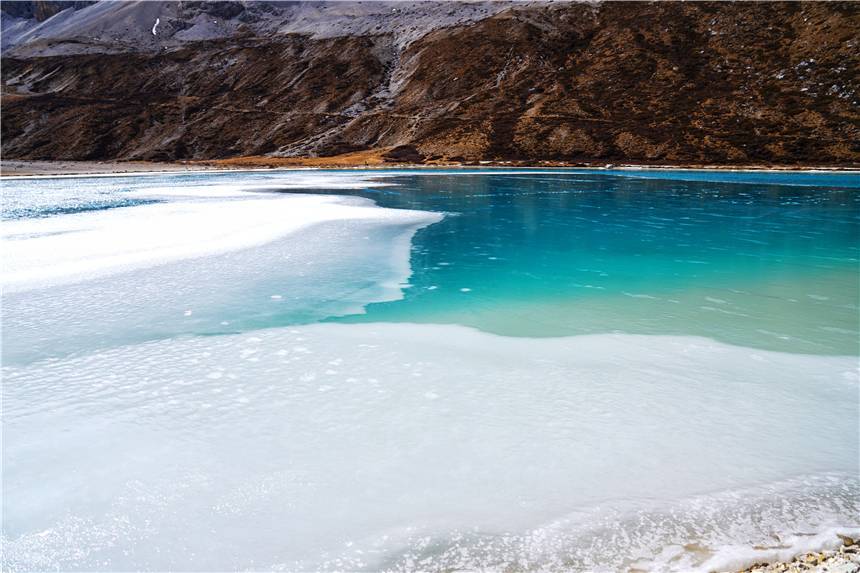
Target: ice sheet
<point x="402" y="446"/>
<point x="39" y="253"/>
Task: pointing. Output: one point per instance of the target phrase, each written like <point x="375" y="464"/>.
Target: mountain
<point x="662" y="82"/>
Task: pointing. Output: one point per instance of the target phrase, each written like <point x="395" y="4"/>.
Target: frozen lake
<point x="434" y="370"/>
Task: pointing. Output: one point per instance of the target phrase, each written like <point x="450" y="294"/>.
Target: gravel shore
<point x="358" y="160"/>
<point x="11" y="168"/>
<point x="846" y="559"/>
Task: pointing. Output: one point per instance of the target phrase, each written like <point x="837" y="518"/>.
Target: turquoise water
<point x="760" y="260"/>
<point x="765" y="260"/>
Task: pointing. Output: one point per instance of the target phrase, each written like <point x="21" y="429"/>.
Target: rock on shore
<point x="846" y="559"/>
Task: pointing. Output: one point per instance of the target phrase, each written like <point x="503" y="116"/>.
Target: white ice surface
<point x="291" y="180"/>
<point x="342" y="447"/>
<point x="329" y="269"/>
<point x="215" y="256"/>
<point x="52" y="251"/>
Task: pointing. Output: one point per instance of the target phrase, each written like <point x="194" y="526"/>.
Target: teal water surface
<point x="755" y="259"/>
<point x="764" y="260"/>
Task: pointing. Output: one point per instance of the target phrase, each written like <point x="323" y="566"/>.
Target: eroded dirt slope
<point x="724" y="83"/>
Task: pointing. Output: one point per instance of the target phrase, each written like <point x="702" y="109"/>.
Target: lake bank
<point x="362" y="160"/>
<point x="843" y="559"/>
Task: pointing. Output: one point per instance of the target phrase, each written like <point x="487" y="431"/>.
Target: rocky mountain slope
<point x="674" y="83"/>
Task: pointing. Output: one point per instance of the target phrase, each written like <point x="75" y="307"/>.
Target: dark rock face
<point x="723" y="83"/>
<point x="404" y="154"/>
<point x="217" y="8"/>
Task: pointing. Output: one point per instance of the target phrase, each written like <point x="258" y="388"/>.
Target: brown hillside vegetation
<point x="671" y="83"/>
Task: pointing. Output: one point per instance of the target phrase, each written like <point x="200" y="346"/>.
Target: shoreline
<point x="843" y="559"/>
<point x="11" y="169"/>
